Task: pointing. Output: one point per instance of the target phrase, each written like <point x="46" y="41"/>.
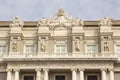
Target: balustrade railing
<point x="65" y="55"/>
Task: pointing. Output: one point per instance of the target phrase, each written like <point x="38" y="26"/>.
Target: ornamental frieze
<point x="62" y="64"/>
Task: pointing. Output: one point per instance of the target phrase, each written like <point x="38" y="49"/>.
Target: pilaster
<point x="74" y="73"/>
<point x="9" y="74"/>
<point x="15" y="44"/>
<point x="38" y="74"/>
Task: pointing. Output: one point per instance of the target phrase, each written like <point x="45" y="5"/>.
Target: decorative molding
<point x="61" y="19"/>
<point x="81" y="69"/>
<point x="73" y="69"/>
<point x="17" y="69"/>
<point x="38" y="69"/>
<point x="45" y="69"/>
<point x="111" y="69"/>
<point x="104" y="69"/>
<point x="8" y="69"/>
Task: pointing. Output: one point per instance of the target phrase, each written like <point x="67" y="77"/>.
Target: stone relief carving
<point x="16" y="22"/>
<point x="14" y="45"/>
<point x="60" y="19"/>
<point x="106" y="22"/>
<point x="43" y="45"/>
<point x="61" y="64"/>
<point x="77" y="45"/>
<point x="105" y="40"/>
<point x="106" y="46"/>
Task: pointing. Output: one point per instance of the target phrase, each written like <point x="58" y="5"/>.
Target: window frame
<point x="6" y="46"/>
<point x="29" y="45"/>
<point x="86" y="46"/>
<point x="55" y="47"/>
<point x="115" y="48"/>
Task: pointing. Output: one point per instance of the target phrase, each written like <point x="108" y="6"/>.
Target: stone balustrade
<point x="64" y="55"/>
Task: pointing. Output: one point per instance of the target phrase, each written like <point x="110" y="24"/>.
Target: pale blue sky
<point x="36" y="9"/>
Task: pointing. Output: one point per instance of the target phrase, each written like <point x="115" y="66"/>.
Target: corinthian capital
<point x="17" y="69"/>
<point x="8" y="70"/>
<point x="38" y="69"/>
<point x="45" y="69"/>
<point x="103" y="69"/>
<point x="73" y="69"/>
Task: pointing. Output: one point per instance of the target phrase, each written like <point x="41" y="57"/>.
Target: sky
<point x="29" y="10"/>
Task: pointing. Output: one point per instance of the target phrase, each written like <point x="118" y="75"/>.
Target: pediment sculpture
<point x="16" y="22"/>
<point x="61" y="18"/>
<point x="106" y="22"/>
<point x="61" y="12"/>
<point x="78" y="22"/>
<point x="43" y="22"/>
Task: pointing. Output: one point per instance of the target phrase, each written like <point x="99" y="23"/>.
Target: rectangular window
<point x="30" y="49"/>
<point x="3" y="50"/>
<point x="92" y="49"/>
<point x="117" y="48"/>
<point x="60" y="48"/>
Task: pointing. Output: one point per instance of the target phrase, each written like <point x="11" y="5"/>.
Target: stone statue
<point x="16" y="22"/>
<point x="106" y="47"/>
<point x="43" y="45"/>
<point x="14" y="46"/>
<point x="43" y="22"/>
<point x="106" y="22"/>
<point x="61" y="12"/>
<point x="78" y="22"/>
<point x="77" y="45"/>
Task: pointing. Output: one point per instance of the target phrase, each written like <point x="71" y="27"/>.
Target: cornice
<point x="58" y="59"/>
<point x="87" y="23"/>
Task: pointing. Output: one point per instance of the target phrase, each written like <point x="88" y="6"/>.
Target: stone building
<point x="60" y="48"/>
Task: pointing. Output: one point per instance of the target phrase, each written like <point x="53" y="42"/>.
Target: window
<point x="30" y="49"/>
<point x="60" y="48"/>
<point x="60" y="77"/>
<point x="117" y="48"/>
<point x="92" y="49"/>
<point x="2" y="50"/>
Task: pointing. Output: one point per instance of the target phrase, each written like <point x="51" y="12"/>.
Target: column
<point x="9" y="74"/>
<point x="81" y="74"/>
<point x="74" y="74"/>
<point x="103" y="71"/>
<point x="46" y="74"/>
<point x="111" y="74"/>
<point x="38" y="74"/>
<point x="16" y="74"/>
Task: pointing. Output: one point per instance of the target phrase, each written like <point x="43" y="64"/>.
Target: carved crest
<point x="61" y="12"/>
<point x="16" y="22"/>
<point x="61" y="19"/>
<point x="106" y="22"/>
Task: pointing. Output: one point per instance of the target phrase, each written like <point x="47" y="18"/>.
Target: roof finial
<point x="61" y="12"/>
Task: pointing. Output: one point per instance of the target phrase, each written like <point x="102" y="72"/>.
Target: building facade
<point x="60" y="48"/>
